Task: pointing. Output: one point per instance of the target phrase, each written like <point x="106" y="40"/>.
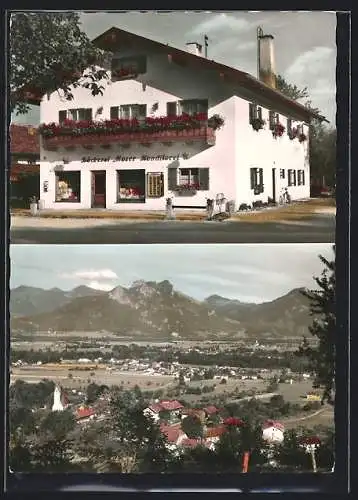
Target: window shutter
<point x="294" y="177"/>
<point x="252" y="112"/>
<point x="259" y="112"/>
<point x="62" y="115"/>
<point x="261" y="179"/>
<point x="277" y="118"/>
<point x="114" y="113"/>
<point x="142" y="110"/>
<point x="204" y="179"/>
<point x="289" y="125"/>
<point x="253" y="177"/>
<point x="88" y="113"/>
<point x="171" y="108"/>
<point x="172" y="178"/>
<point x="303" y="177"/>
<point x="272" y="120"/>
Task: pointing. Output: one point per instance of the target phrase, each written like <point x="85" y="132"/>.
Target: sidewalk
<point x="296" y="211"/>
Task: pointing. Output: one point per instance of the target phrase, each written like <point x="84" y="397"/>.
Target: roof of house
<point x="111" y="40"/>
<point x="215" y="431"/>
<point x="165" y="405"/>
<point x="84" y="413"/>
<point x="211" y="410"/>
<point x="172" y="432"/>
<point x="24" y="139"/>
<point x="273" y="423"/>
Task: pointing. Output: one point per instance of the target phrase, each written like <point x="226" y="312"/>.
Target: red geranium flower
<point x="309" y="440"/>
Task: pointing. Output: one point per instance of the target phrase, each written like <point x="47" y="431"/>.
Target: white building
<point x="273" y="432"/>
<point x="60" y="402"/>
<point x="169" y="147"/>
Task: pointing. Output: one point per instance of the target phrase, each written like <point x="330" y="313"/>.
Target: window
<point x="189" y="107"/>
<point x="124" y="68"/>
<point x="68" y="186"/>
<point x="291" y="177"/>
<point x="129" y="111"/>
<point x="257" y="180"/>
<point x="131" y="186"/>
<point x="75" y="114"/>
<point x="274" y="119"/>
<point x="282" y="173"/>
<point x="155" y="184"/>
<point x="300" y="177"/>
<point x="184" y="176"/>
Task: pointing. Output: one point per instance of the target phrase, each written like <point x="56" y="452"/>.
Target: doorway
<point x="98" y="188"/>
<point x="274" y="185"/>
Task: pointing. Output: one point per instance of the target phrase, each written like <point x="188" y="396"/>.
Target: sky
<point x="249" y="273"/>
<point x="305" y="48"/>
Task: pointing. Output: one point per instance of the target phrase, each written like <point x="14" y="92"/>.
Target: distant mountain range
<point x="155" y="309"/>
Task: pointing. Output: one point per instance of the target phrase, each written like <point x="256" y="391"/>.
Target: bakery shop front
<point x="121" y="181"/>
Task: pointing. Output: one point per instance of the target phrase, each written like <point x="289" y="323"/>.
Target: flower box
<point x="278" y="130"/>
<point x="258" y="124"/>
<point x="205" y="134"/>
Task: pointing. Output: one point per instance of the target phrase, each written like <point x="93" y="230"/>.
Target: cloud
<point x="312" y="62"/>
<point x="90" y="275"/>
<point x="221" y="22"/>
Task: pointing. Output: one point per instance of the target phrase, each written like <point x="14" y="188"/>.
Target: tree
<point x="192" y="427"/>
<point x="59" y="57"/>
<point x="323" y="327"/>
<point x="139" y="443"/>
<point x="58" y="424"/>
<point x="290" y="455"/>
<point x="291" y="91"/>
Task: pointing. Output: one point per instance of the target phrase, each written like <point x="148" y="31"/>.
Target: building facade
<point x="170" y="124"/>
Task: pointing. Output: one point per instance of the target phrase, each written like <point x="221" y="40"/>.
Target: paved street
<point x="320" y="229"/>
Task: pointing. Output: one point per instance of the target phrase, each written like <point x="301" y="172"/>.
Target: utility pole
<point x="259" y="34"/>
<point x="206" y="39"/>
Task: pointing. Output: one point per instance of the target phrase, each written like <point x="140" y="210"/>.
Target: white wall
<point x="259" y="149"/>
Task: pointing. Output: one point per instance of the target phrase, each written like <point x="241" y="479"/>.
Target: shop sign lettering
<point x="88" y="159"/>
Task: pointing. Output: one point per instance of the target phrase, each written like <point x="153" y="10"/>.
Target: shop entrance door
<point x="98" y="182"/>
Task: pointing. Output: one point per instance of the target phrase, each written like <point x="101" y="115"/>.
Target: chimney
<point x="194" y="48"/>
<point x="266" y="59"/>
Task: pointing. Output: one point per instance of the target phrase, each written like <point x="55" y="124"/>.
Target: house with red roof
<point x="173" y="124"/>
<point x="174" y="408"/>
<point x="25" y="164"/>
<point x="84" y="414"/>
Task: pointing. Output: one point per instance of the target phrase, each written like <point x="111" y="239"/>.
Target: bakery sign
<point x="89" y="159"/>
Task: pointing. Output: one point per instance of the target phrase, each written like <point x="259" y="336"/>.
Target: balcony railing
<point x="168" y="129"/>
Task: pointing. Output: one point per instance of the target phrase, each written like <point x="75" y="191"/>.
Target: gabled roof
<point x="165" y="405"/>
<point x="24" y="139"/>
<point x="84" y="413"/>
<point x="113" y="38"/>
<point x="172" y="432"/>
